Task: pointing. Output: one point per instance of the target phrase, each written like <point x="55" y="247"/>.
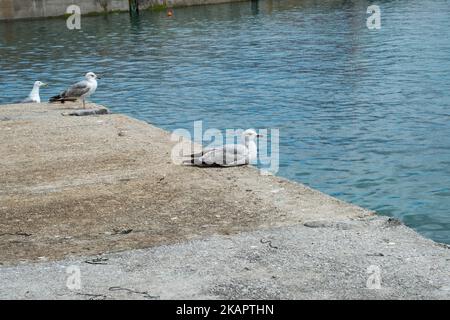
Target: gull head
<point x="39" y="84"/>
<point x="91" y="76"/>
<point x="250" y="135"/>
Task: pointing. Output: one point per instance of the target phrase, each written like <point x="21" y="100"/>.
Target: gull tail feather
<point x="61" y="98"/>
<point x="194" y="160"/>
<point x="198" y="161"/>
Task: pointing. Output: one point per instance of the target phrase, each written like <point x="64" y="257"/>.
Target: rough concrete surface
<point x="295" y="262"/>
<point x="74" y="189"/>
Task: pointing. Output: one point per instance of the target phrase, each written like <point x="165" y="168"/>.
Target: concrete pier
<point x="101" y="193"/>
<point x="14" y="9"/>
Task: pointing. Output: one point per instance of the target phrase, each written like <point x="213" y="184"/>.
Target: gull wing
<point x="227" y="155"/>
<point x="77" y="90"/>
<point x="27" y="100"/>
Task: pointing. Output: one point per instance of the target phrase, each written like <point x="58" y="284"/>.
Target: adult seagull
<point x="229" y="155"/>
<point x="34" y="97"/>
<point x="80" y="90"/>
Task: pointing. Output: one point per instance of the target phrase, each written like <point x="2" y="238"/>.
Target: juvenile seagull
<point x="34" y="97"/>
<point x="229" y="155"/>
<point x="80" y="90"/>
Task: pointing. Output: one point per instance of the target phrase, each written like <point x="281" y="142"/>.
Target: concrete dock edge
<point x="77" y="189"/>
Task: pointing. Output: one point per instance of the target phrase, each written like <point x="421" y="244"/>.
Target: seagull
<point x="229" y="155"/>
<point x="34" y="97"/>
<point x="80" y="90"/>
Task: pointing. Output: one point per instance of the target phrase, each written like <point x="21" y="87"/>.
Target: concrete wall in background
<point x="18" y="9"/>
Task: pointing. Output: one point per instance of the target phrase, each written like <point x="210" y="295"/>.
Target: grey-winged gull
<point x="34" y="96"/>
<point x="229" y="155"/>
<point x="80" y="90"/>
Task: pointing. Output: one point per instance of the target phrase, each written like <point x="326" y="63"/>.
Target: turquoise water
<point x="363" y="114"/>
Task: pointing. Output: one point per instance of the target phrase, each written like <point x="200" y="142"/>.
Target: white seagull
<point x="34" y="97"/>
<point x="80" y="90"/>
<point x="229" y="155"/>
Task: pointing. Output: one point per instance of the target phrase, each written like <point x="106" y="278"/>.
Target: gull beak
<point x="259" y="135"/>
<point x="98" y="77"/>
<point x="45" y="84"/>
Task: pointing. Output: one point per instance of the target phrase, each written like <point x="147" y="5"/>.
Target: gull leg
<point x="84" y="104"/>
